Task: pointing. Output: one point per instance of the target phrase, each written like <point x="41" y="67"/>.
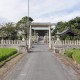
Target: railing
<point x="70" y="42"/>
<point x="62" y="45"/>
<point x="13" y="42"/>
<point x="66" y="42"/>
<point x="10" y="42"/>
<point x="18" y="44"/>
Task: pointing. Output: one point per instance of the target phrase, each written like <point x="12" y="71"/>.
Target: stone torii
<point x="40" y="26"/>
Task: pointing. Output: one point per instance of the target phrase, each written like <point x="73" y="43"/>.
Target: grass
<point x="74" y="54"/>
<point x="68" y="53"/>
<point x="6" y="53"/>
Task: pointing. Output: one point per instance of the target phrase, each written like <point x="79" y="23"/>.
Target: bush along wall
<point x="74" y="54"/>
<point x="6" y="53"/>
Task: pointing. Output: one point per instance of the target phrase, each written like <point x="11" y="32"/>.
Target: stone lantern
<point x="58" y="35"/>
<point x="22" y="26"/>
<point x="58" y="44"/>
<point x="58" y="41"/>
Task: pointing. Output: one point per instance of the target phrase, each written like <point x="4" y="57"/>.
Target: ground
<point x="40" y="64"/>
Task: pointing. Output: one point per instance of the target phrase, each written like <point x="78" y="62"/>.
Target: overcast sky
<point x="40" y="10"/>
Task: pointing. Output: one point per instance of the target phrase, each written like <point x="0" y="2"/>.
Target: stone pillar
<point x="34" y="36"/>
<point x="37" y="37"/>
<point x="30" y="37"/>
<point x="49" y="36"/>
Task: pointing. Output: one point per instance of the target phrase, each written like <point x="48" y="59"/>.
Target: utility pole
<point x="28" y="22"/>
<point x="27" y="39"/>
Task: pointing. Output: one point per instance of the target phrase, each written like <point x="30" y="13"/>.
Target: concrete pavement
<point x="39" y="64"/>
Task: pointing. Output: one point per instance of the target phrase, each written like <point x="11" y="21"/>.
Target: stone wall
<point x="21" y="46"/>
<point x="60" y="46"/>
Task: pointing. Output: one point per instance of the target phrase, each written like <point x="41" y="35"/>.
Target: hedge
<point x="6" y="53"/>
<point x="74" y="54"/>
<point x="68" y="53"/>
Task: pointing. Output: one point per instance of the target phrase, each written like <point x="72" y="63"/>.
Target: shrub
<point x="76" y="55"/>
<point x="6" y="53"/>
<point x="68" y="53"/>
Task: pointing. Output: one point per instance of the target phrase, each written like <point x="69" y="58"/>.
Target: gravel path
<point x="39" y="64"/>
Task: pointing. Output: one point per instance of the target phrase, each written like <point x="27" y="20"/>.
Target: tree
<point x="73" y="24"/>
<point x="60" y="27"/>
<point x="8" y="31"/>
<point x="24" y="22"/>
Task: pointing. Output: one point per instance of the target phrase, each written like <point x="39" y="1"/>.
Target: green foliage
<point x="73" y="24"/>
<point x="68" y="53"/>
<point x="6" y="53"/>
<point x="25" y="20"/>
<point x="8" y="31"/>
<point x="76" y="55"/>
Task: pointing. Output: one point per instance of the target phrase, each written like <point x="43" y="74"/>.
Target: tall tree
<point x="8" y="31"/>
<point x="24" y="21"/>
<point x="22" y="24"/>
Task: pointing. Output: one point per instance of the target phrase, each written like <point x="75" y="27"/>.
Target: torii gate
<point x="40" y="26"/>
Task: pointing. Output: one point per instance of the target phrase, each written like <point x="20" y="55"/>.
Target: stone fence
<point x="20" y="45"/>
<point x="61" y="45"/>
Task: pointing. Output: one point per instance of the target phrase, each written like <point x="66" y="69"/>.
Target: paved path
<point x="40" y="64"/>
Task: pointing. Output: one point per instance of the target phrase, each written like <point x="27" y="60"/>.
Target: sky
<point x="40" y="10"/>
